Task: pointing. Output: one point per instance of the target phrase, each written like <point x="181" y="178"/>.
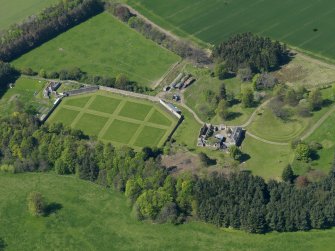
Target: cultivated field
<point x="103" y="46"/>
<point x="304" y="24"/>
<point x="14" y="11"/>
<point x="117" y="119"/>
<point x="26" y="93"/>
<point x="85" y="216"/>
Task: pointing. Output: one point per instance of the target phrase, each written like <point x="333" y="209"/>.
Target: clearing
<point x="116" y="118"/>
<point x="102" y="46"/>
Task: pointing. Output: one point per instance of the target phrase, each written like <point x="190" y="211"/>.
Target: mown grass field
<point x="306" y="25"/>
<point x="117" y="119"/>
<point x="325" y="135"/>
<point x="102" y="46"/>
<point x="93" y="218"/>
<point x="266" y="125"/>
<point x="27" y="92"/>
<point x="15" y="11"/>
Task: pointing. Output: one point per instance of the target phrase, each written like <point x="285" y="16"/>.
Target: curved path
<point x="250" y="120"/>
<point x="196" y="117"/>
<point x="318" y="124"/>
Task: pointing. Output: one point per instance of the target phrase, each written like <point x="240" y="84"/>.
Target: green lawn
<point x="149" y="135"/>
<point x="77" y="101"/>
<point x="266" y="125"/>
<point x="104" y="104"/>
<point x="265" y="160"/>
<point x="159" y="118"/>
<point x="65" y="116"/>
<point x="15" y="11"/>
<point x="91" y="124"/>
<point x="121" y="131"/>
<point x="117" y="119"/>
<point x="212" y="21"/>
<point x="27" y="92"/>
<point x="325" y="135"/>
<point x="94" y="218"/>
<point x="135" y="110"/>
<point x="102" y="46"/>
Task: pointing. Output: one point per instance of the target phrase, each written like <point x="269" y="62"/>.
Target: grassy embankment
<point x="84" y="216"/>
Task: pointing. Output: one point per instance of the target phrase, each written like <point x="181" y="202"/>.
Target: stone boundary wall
<point x="81" y="91"/>
<point x="129" y="94"/>
<point x="44" y="117"/>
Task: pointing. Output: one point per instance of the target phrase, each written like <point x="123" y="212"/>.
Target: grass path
<point x="318" y="124"/>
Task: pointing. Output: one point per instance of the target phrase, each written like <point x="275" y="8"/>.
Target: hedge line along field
<point x="85" y="216"/>
<point x="102" y="46"/>
<point x="117" y="119"/>
<point x="307" y="25"/>
<point x="15" y="11"/>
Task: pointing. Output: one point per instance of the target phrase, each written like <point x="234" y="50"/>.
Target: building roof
<point x="172" y="107"/>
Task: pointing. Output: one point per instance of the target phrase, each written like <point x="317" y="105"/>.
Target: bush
<point x="168" y="214"/>
<point x="36" y="204"/>
<point x="28" y="71"/>
<point x="7" y="168"/>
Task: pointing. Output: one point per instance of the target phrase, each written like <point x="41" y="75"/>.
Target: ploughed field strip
<point x="116" y="119"/>
<point x="304" y="24"/>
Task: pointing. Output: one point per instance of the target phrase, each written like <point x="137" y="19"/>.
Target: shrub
<point x="36" y="204"/>
<point x="7" y="168"/>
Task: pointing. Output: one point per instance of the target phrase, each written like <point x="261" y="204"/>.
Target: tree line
<point x="52" y="21"/>
<point x="238" y="200"/>
<point x="180" y="47"/>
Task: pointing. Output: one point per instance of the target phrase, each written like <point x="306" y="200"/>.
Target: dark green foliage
<point x="21" y="38"/>
<point x="8" y="74"/>
<point x="247" y="97"/>
<point x="315" y="99"/>
<point x="239" y="200"/>
<point x="288" y="175"/>
<point x="220" y="71"/>
<point x="205" y="160"/>
<point x="235" y="152"/>
<point x="2" y="244"/>
<point x="303" y="152"/>
<point x="249" y="50"/>
<point x="223" y="91"/>
<point x="36" y="204"/>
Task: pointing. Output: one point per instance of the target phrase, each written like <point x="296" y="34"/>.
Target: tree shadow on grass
<point x="327" y="103"/>
<point x="234" y="115"/>
<point x="245" y="157"/>
<point x="52" y="208"/>
<point x="3" y="244"/>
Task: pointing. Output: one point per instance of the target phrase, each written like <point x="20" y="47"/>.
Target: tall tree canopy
<point x="249" y="50"/>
